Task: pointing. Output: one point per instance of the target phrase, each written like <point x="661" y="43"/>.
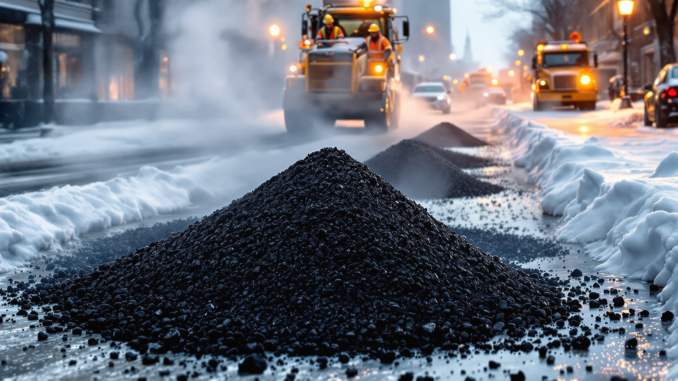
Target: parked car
<point x="661" y="100"/>
<point x="495" y="95"/>
<point x="434" y="94"/>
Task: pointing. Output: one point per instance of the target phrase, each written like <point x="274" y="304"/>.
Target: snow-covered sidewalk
<point x="618" y="196"/>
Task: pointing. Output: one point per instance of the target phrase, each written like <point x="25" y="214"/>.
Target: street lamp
<point x="430" y="29"/>
<point x="625" y="9"/>
<point x="274" y="30"/>
<point x="521" y="52"/>
<point x="453" y="57"/>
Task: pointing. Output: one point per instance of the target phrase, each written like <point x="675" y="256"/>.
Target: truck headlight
<point x="294" y="68"/>
<point x="441" y="97"/>
<point x="379" y="69"/>
<point x="585" y="79"/>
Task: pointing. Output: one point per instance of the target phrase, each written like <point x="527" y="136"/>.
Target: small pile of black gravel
<point x="446" y="135"/>
<point x="421" y="172"/>
<point x="322" y="258"/>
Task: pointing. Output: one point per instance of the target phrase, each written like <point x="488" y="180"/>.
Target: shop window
<point x="121" y="80"/>
<point x="69" y="70"/>
<point x="64" y="40"/>
<point x="12" y="34"/>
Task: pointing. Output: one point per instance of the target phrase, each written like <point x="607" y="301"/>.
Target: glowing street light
<point x="430" y="29"/>
<point x="466" y="75"/>
<point x="625" y="9"/>
<point x="455" y="81"/>
<point x="274" y="30"/>
<point x="511" y="73"/>
<point x="489" y="70"/>
<point x="422" y="58"/>
<point x="521" y="52"/>
<point x="518" y="62"/>
<point x="453" y="57"/>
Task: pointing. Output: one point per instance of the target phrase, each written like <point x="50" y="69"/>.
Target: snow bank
<point x="624" y="212"/>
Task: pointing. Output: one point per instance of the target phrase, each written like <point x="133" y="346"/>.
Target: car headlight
<point x="441" y="97"/>
<point x="486" y="94"/>
<point x="585" y="79"/>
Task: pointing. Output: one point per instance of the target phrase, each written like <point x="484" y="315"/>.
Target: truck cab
<point x="337" y="79"/>
<point x="563" y="76"/>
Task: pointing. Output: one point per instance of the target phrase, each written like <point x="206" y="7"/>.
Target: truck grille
<point x="330" y="77"/>
<point x="565" y="82"/>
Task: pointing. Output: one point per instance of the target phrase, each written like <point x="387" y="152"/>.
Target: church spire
<point x="468" y="54"/>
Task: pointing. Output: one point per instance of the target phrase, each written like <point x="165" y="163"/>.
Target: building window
<point x="64" y="40"/>
<point x="12" y="35"/>
<point x="120" y="85"/>
<point x="165" y="79"/>
<point x="69" y="71"/>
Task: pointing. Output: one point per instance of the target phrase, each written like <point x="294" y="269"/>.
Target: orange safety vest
<point x="336" y="34"/>
<point x="378" y="49"/>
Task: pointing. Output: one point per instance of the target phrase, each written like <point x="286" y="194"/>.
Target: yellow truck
<point x="337" y="79"/>
<point x="563" y="76"/>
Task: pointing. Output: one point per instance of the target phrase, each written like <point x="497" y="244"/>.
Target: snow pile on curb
<point x="629" y="222"/>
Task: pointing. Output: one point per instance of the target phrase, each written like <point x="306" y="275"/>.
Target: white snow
<point x="617" y="196"/>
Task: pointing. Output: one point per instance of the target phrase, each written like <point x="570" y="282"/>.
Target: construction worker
<point x="330" y="31"/>
<point x="377" y="45"/>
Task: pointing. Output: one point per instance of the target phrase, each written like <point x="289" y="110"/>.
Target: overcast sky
<point x="488" y="39"/>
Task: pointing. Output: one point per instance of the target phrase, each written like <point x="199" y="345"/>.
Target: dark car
<point x="661" y="100"/>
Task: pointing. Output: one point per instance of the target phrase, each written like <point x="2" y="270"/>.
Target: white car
<point x="434" y="94"/>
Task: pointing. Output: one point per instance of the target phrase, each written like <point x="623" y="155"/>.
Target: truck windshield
<point x="357" y="27"/>
<point x="429" y="89"/>
<point x="578" y="59"/>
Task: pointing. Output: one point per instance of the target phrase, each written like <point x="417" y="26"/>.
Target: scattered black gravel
<point x="420" y="172"/>
<point x="511" y="247"/>
<point x="324" y="258"/>
<point x="107" y="249"/>
<point x="447" y="135"/>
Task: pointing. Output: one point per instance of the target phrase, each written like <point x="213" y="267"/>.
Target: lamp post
<point x="625" y="9"/>
<point x="274" y="30"/>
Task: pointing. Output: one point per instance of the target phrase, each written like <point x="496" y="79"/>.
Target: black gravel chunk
<point x="77" y="331"/>
<point x="92" y="341"/>
<point x="581" y="342"/>
<point x="252" y="364"/>
<point x="42" y="336"/>
<point x="420" y="172"/>
<point x="130" y="356"/>
<point x="631" y="344"/>
<point x="388" y="357"/>
<point x="114" y="355"/>
<point x="351" y="372"/>
<point x="409" y="376"/>
<point x="594" y="295"/>
<point x="576" y="273"/>
<point x="324" y="258"/>
<point x="644" y="313"/>
<point x="446" y="135"/>
<point x="551" y="360"/>
<point x="618" y="301"/>
<point x="494" y="364"/>
<point x="667" y="316"/>
<point x="520" y="376"/>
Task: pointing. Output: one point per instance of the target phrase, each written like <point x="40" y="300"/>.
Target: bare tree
<point x="559" y="18"/>
<point x="47" y="13"/>
<point x="666" y="21"/>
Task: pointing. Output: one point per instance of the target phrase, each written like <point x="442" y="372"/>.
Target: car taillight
<point x="671" y="92"/>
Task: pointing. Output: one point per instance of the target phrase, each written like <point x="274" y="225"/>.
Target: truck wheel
<point x="536" y="106"/>
<point x="381" y="120"/>
<point x="646" y="118"/>
<point x="660" y="119"/>
<point x="298" y="122"/>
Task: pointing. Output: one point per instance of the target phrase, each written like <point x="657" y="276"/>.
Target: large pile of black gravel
<point x="445" y="135"/>
<point x="324" y="257"/>
<point x="421" y="172"/>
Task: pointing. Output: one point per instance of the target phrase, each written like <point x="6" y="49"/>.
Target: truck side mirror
<point x="535" y="63"/>
<point x="304" y="27"/>
<point x="406" y="28"/>
<point x="595" y="59"/>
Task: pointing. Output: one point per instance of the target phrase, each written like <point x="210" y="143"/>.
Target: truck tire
<point x="661" y="120"/>
<point x="298" y="122"/>
<point x="381" y="120"/>
<point x="646" y="118"/>
<point x="536" y="106"/>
